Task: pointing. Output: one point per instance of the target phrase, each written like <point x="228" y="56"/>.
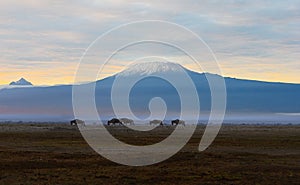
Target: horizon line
<point x="114" y="74"/>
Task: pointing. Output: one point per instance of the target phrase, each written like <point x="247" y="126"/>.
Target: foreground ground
<point x="241" y="154"/>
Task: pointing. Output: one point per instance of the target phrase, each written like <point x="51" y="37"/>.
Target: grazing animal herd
<point x="126" y="121"/>
<point x="122" y="121"/>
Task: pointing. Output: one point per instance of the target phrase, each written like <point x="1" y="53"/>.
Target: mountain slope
<point x="21" y="82"/>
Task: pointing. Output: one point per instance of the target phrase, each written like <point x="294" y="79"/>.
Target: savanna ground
<point x="241" y="154"/>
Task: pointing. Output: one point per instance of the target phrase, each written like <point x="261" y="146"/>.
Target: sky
<point x="43" y="40"/>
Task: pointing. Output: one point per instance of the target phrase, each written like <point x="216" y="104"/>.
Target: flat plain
<point x="50" y="153"/>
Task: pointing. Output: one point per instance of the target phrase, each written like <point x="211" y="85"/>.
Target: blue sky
<point x="43" y="40"/>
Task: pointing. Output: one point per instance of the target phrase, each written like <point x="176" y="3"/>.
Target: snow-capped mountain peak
<point x="22" y="81"/>
<point x="150" y="68"/>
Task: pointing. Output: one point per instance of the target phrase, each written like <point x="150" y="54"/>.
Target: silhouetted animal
<point x="178" y="122"/>
<point x="114" y="121"/>
<point x="77" y="122"/>
<point x="127" y="121"/>
<point x="156" y="122"/>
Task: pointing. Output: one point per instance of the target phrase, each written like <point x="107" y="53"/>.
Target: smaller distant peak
<point x="22" y="81"/>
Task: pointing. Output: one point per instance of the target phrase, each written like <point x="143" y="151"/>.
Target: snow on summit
<point x="148" y="68"/>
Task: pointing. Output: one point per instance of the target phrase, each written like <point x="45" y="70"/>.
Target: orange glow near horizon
<point x="66" y="75"/>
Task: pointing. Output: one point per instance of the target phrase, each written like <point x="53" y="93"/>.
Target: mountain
<point x="244" y="97"/>
<point x="22" y="81"/>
